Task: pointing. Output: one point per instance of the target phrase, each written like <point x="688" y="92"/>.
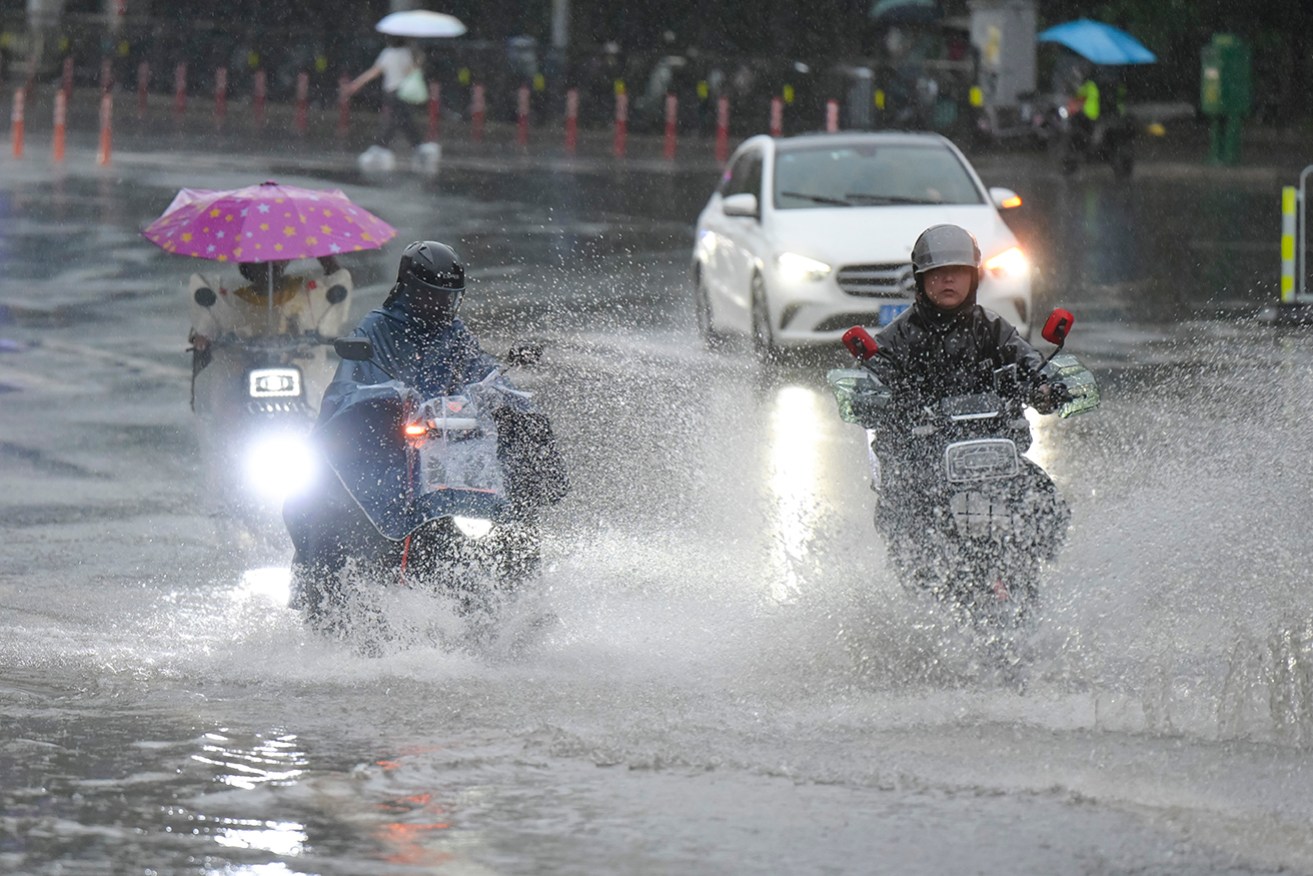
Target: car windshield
<point x="871" y="175"/>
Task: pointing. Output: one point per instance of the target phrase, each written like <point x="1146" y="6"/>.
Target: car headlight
<point x="794" y="268"/>
<point x="1011" y="262"/>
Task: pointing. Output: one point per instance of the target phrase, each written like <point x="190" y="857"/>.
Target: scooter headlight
<point x="274" y="383"/>
<point x="472" y="527"/>
<point x="278" y="466"/>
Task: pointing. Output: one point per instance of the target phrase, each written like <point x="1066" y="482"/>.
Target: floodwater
<point x="733" y="681"/>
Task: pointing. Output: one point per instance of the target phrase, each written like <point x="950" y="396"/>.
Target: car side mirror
<point x="743" y="204"/>
<point x="1004" y="199"/>
<point x="354" y="349"/>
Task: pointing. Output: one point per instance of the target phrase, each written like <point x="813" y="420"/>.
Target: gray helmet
<point x="940" y="246"/>
<point x="431" y="277"/>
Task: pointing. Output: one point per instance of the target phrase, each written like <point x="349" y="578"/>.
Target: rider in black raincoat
<point x="946" y="345"/>
<point x="420" y="349"/>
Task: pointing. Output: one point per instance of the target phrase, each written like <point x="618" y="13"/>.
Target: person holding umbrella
<point x="403" y="85"/>
<point x="262" y="229"/>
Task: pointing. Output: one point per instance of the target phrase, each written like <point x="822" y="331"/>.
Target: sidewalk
<point x="1266" y="152"/>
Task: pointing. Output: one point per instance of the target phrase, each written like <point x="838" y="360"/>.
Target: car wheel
<point x="763" y="339"/>
<point x="711" y="338"/>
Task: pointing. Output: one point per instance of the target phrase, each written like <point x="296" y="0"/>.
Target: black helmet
<point x="431" y="277"/>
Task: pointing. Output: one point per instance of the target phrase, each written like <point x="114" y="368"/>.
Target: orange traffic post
<point x="621" y="124"/>
<point x="180" y="89"/>
<point x="478" y="111"/>
<point x="220" y="96"/>
<point x="259" y="91"/>
<point x="722" y="129"/>
<point x="571" y="119"/>
<point x="302" y="102"/>
<point x="106" y="126"/>
<point x="672" y="121"/>
<point x="435" y="110"/>
<point x="522" y="116"/>
<point x="61" y="116"/>
<point x="20" y="100"/>
<point x="343" y="106"/>
<point x="66" y="81"/>
<point x="143" y="85"/>
<point x="776" y="117"/>
<point x="831" y="116"/>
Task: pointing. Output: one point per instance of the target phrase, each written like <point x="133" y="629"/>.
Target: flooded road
<point x="735" y="682"/>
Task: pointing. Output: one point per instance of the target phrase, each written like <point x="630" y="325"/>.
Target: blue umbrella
<point x="1099" y="42"/>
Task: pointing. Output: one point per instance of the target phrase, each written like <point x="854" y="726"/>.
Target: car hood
<point x="872" y="235"/>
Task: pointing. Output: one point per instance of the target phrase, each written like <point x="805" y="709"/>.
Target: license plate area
<point x="981" y="459"/>
<point x="890" y="312"/>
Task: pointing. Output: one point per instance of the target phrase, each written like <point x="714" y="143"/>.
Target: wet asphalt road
<point x="736" y="684"/>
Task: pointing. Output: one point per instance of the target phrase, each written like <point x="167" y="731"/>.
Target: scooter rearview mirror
<point x="355" y="349"/>
<point x="860" y="343"/>
<point x="1058" y="326"/>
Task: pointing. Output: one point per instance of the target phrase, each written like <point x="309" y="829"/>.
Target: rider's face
<point x="949" y="286"/>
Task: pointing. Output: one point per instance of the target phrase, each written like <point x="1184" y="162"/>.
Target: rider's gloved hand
<point x="1049" y="397"/>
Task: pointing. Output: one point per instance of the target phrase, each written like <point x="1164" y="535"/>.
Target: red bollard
<point x="143" y="86"/>
<point x="776" y="117"/>
<point x="571" y="119"/>
<point x="478" y="110"/>
<point x="66" y="83"/>
<point x="302" y="102"/>
<point x="722" y="129"/>
<point x="220" y="95"/>
<point x="106" y="76"/>
<point x="259" y="91"/>
<point x="435" y="110"/>
<point x="180" y="89"/>
<point x="672" y="121"/>
<point x="621" y="124"/>
<point x="831" y="116"/>
<point x="106" y="127"/>
<point x="20" y="100"/>
<point x="61" y="117"/>
<point x="522" y="116"/>
<point x="343" y="106"/>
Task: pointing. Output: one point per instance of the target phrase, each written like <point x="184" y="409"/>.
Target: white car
<point x="807" y="236"/>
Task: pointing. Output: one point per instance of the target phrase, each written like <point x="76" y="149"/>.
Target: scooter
<point x="256" y="400"/>
<point x="981" y="550"/>
<point x="255" y="389"/>
<point x="1110" y="140"/>
<point x="437" y="494"/>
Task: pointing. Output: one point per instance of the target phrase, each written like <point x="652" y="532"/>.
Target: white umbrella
<point x="420" y="23"/>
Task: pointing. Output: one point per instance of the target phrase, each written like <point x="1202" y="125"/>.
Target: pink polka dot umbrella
<point x="264" y="223"/>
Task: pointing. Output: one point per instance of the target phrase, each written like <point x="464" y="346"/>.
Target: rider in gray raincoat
<point x="946" y="345"/>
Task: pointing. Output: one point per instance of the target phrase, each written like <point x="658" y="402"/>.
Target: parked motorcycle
<point x="1111" y="139"/>
<point x="982" y="545"/>
<point x="439" y="494"/>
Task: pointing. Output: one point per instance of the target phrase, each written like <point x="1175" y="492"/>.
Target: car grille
<point x="889" y="280"/>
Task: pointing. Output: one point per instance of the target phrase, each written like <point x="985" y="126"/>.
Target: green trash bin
<point x="1225" y="94"/>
